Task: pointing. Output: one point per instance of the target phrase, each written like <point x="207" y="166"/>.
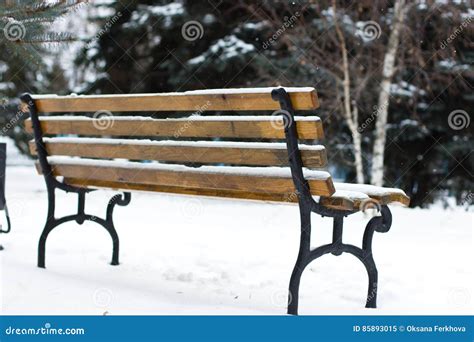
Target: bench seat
<point x="257" y="183"/>
<point x="151" y="176"/>
<point x="353" y="196"/>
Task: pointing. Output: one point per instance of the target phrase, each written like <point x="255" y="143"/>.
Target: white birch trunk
<point x="383" y="102"/>
<point x="350" y="114"/>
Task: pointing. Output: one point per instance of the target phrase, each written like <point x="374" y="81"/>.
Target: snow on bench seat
<point x="247" y="99"/>
<point x="224" y="91"/>
<point x="209" y="144"/>
<point x="202" y="152"/>
<point x="194" y="126"/>
<point x="233" y="178"/>
<point x="225" y="118"/>
<point x="271" y="171"/>
<point x="354" y="196"/>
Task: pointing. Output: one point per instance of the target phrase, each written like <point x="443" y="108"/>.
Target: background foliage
<point x="140" y="47"/>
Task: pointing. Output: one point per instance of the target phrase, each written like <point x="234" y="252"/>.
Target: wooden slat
<point x="188" y="179"/>
<point x="258" y="196"/>
<point x="343" y="203"/>
<point x="264" y="128"/>
<point x="393" y="197"/>
<point x="217" y="100"/>
<point x="339" y="203"/>
<point x="185" y="153"/>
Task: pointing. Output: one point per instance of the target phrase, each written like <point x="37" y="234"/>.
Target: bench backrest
<point x="134" y="137"/>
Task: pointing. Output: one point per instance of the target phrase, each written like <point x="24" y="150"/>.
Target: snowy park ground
<point x="189" y="255"/>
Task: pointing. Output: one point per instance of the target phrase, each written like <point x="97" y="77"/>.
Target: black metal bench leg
<point x="116" y="200"/>
<point x="373" y="278"/>
<point x="80" y="218"/>
<point x="301" y="262"/>
<point x="52" y="184"/>
<point x="49" y="226"/>
<point x="294" y="287"/>
<point x="115" y="245"/>
<point x="379" y="224"/>
<point x="42" y="243"/>
<point x="306" y="255"/>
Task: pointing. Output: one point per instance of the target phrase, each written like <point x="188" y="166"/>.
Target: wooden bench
<point x="269" y="158"/>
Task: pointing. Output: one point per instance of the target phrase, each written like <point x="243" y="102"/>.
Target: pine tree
<point x="24" y="25"/>
<point x="268" y="43"/>
<point x="24" y="36"/>
<point x="170" y="46"/>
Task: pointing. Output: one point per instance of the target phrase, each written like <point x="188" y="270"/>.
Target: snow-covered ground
<point x="188" y="255"/>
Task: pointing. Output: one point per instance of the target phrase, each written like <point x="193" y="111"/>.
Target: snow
<point x="371" y="190"/>
<point x="174" y="8"/>
<point x="272" y="171"/>
<point x="143" y="13"/>
<point x="6" y="86"/>
<point x="405" y="89"/>
<point x="197" y="60"/>
<point x="468" y="15"/>
<point x="228" y="47"/>
<point x="351" y="195"/>
<point x="409" y="123"/>
<point x="77" y="23"/>
<point x="226" y="91"/>
<point x="172" y="143"/>
<point x="189" y="118"/>
<point x="209" y="19"/>
<point x="231" y="46"/>
<point x="263" y="90"/>
<point x="14" y="156"/>
<point x="422" y="5"/>
<point x="3" y="67"/>
<point x="329" y="15"/>
<point x="197" y="255"/>
<point x="453" y="65"/>
<point x="255" y="25"/>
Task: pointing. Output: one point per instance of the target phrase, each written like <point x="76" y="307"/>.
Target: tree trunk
<point x="356" y="137"/>
<point x="350" y="114"/>
<point x="383" y="102"/>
